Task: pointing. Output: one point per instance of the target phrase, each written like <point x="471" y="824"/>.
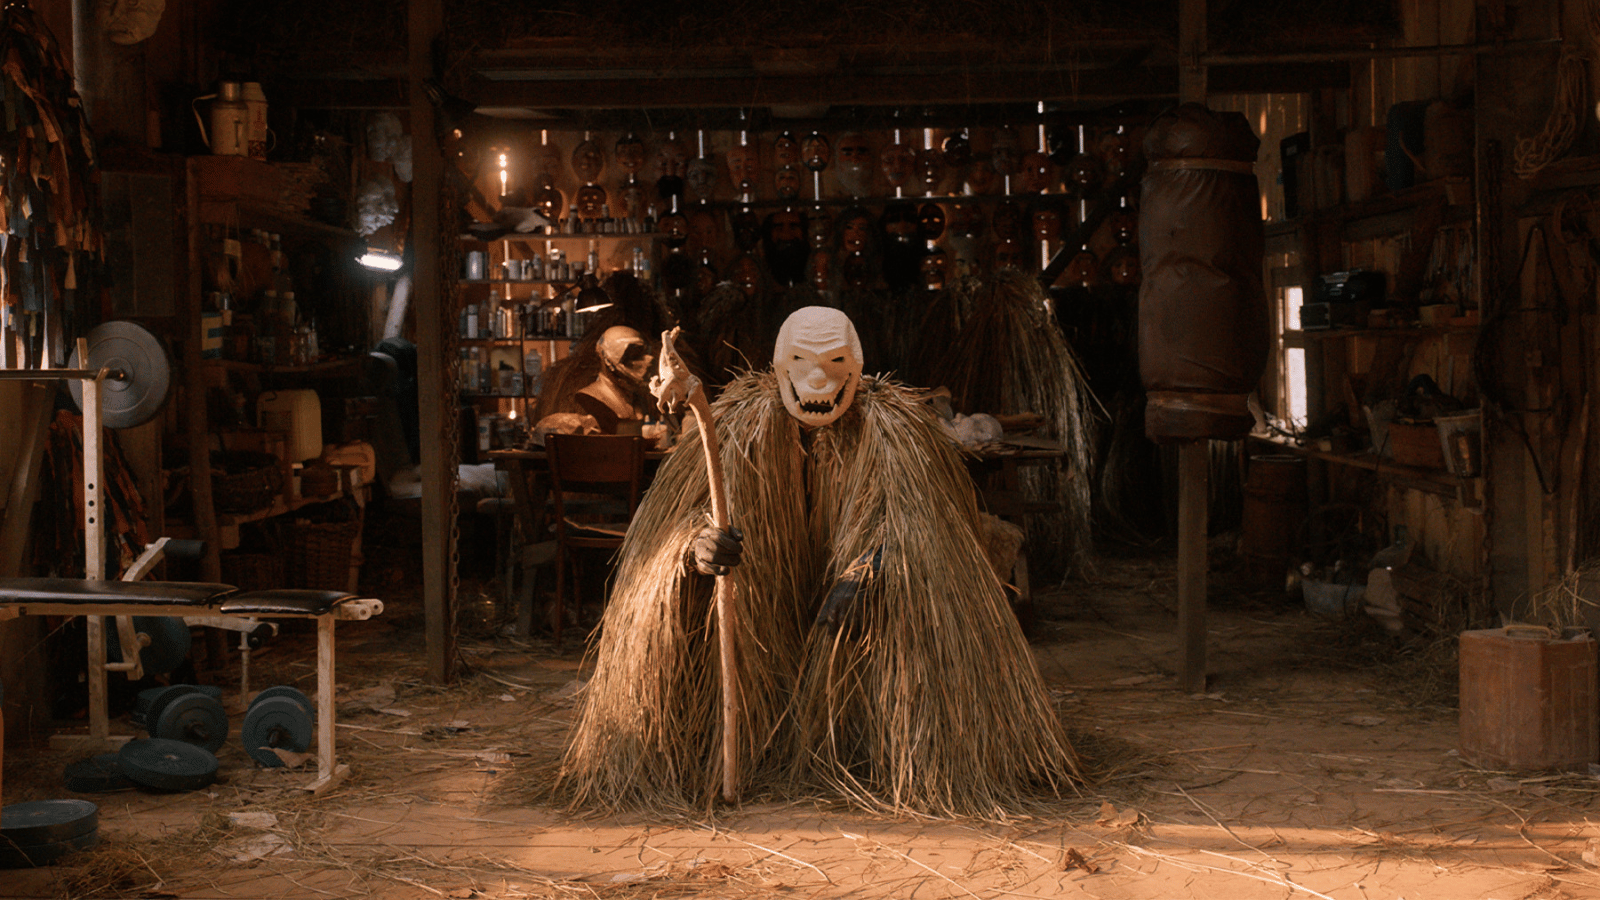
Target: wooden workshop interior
<point x="526" y="177"/>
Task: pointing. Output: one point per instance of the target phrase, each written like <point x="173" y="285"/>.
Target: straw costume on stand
<point x="877" y="656"/>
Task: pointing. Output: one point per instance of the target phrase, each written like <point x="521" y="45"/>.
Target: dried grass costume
<point x="925" y="699"/>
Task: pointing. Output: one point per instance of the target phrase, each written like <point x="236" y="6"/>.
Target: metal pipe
<point x="107" y="373"/>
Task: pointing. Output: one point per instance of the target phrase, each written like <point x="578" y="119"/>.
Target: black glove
<point x="841" y="600"/>
<point x="716" y="551"/>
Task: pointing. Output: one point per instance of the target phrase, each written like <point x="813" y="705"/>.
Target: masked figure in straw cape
<point x="877" y="656"/>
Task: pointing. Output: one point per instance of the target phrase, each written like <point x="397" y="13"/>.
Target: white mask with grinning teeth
<point x="818" y="362"/>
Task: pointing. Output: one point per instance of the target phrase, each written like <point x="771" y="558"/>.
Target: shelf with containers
<point x="521" y="309"/>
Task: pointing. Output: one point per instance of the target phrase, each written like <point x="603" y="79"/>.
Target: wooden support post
<point x="1193" y="470"/>
<point x="425" y="22"/>
<point x="1193" y="456"/>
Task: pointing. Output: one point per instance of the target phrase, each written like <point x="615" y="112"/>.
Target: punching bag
<point x="1203" y="323"/>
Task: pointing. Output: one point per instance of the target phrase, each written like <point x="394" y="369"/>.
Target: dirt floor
<point x="1320" y="762"/>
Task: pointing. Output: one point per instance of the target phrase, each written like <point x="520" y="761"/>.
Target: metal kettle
<point x="230" y="120"/>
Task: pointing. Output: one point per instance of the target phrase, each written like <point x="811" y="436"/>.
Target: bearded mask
<point x="818" y="362"/>
<point x="784" y="246"/>
<point x="854" y="172"/>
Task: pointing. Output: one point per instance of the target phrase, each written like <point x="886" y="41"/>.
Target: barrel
<point x="1274" y="511"/>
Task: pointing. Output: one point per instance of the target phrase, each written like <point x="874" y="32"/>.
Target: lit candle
<point x="502" y="174"/>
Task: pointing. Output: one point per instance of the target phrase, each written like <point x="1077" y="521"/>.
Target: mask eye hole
<point x="838" y="359"/>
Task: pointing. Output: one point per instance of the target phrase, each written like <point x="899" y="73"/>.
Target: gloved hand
<point x="841" y="600"/>
<point x="716" y="551"/>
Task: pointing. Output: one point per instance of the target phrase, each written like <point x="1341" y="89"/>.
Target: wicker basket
<point x="253" y="571"/>
<point x="321" y="554"/>
<point x="243" y="480"/>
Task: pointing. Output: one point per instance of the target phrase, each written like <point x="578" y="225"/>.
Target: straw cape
<point x="923" y="699"/>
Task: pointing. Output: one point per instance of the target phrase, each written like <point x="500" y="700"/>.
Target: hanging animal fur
<point x="1008" y="357"/>
<point x="922" y="697"/>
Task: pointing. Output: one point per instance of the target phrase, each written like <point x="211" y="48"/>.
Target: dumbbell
<point x="189" y="714"/>
<point x="279" y="718"/>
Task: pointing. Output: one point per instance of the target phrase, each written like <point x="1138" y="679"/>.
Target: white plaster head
<point x="818" y="362"/>
<point x="624" y="353"/>
<point x="128" y="21"/>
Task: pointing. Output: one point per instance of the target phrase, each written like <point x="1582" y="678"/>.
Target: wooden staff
<point x="674" y="387"/>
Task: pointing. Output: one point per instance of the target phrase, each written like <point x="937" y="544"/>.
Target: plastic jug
<point x="258" y="137"/>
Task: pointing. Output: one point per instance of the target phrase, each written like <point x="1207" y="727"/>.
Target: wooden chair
<point x="595" y="483"/>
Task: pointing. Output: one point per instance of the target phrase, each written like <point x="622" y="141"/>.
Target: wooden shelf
<point x="528" y="281"/>
<point x="1434" y="481"/>
<point x="1411" y="333"/>
<point x="565" y="236"/>
<point x="1386" y="215"/>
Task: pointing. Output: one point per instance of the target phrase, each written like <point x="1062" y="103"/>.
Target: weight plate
<point x="276" y="722"/>
<point x="136" y="352"/>
<point x="97" y="775"/>
<point x="193" y="718"/>
<point x="42" y="821"/>
<point x="158" y="703"/>
<point x="168" y="765"/>
<point x="27" y="856"/>
<point x="169" y="643"/>
<point x="293" y="693"/>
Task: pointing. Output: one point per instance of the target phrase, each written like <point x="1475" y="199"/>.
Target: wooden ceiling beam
<point x="745" y="89"/>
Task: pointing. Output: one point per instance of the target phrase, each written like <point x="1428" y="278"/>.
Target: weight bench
<point x="219" y="602"/>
